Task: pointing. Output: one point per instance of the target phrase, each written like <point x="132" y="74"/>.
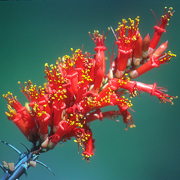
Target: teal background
<point x="34" y="32"/>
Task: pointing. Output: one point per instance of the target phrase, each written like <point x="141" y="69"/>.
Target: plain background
<point x="35" y="32"/>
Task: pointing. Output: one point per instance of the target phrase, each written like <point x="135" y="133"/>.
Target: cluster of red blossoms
<point x="78" y="87"/>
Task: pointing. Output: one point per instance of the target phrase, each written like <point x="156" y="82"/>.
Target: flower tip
<point x="32" y="163"/>
<point x="132" y="126"/>
<point x="87" y="155"/>
<point x="45" y="143"/>
<point x="51" y="145"/>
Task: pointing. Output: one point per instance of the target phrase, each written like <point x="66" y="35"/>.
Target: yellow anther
<point x="8" y="114"/>
<point x="171" y="54"/>
<point x="46" y="65"/>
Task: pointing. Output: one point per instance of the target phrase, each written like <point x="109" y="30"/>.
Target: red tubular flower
<point x="156" y="59"/>
<point x="127" y="37"/>
<point x="100" y="67"/>
<point x="78" y="89"/>
<point x="84" y="139"/>
<point x="145" y="46"/>
<point x="21" y="116"/>
<point x="137" y="53"/>
<point x="152" y="89"/>
<point x="64" y="130"/>
<point x="58" y="110"/>
<point x="89" y="147"/>
<point x="39" y="107"/>
<point x="155" y="91"/>
<point x="160" y="29"/>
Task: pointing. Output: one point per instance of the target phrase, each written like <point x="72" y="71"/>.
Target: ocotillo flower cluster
<point x="78" y="87"/>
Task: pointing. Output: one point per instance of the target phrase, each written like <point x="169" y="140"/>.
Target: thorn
<point x="41" y="163"/>
<point x="11" y="146"/>
<point x="25" y="172"/>
<point x="25" y="147"/>
<point x="1" y="166"/>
